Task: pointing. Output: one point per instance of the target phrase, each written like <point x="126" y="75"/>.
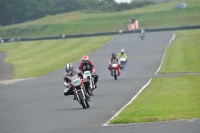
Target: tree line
<point x="18" y="11"/>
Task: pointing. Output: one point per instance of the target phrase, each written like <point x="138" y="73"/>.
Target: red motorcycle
<point x="114" y="69"/>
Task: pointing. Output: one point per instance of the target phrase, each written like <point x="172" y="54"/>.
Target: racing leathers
<point x="67" y="79"/>
<point x="89" y="67"/>
<point x="142" y="32"/>
<point x="111" y="62"/>
<point x="122" y="55"/>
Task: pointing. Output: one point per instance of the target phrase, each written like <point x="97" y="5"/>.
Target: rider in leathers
<point x="87" y="65"/>
<point x="70" y="71"/>
<point x="142" y="31"/>
<point x="122" y="54"/>
<point x="114" y="58"/>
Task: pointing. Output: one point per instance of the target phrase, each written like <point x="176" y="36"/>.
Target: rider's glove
<point x="67" y="85"/>
<point x="126" y="60"/>
<point x="93" y="73"/>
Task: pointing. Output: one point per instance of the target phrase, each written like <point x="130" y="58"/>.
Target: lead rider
<point x="70" y="72"/>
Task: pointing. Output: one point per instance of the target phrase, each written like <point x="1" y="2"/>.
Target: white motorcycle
<point x="79" y="92"/>
<point x="142" y="36"/>
<point x="89" y="82"/>
<point x="123" y="62"/>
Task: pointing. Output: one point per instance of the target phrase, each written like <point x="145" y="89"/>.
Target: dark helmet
<point x="113" y="55"/>
<point x="69" y="68"/>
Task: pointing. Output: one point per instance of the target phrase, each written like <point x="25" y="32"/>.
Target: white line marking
<point x="6" y="82"/>
<point x="165" y="52"/>
<point x="107" y="123"/>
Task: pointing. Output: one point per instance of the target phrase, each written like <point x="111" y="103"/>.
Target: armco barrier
<point x="109" y="33"/>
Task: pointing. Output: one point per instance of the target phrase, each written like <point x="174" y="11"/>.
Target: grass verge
<point x="183" y="55"/>
<point x="36" y="58"/>
<point x="153" y="16"/>
<point x="170" y="98"/>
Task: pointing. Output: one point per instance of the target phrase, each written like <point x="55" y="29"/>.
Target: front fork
<point x="83" y="92"/>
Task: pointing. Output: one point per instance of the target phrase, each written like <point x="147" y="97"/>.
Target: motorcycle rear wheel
<point x="90" y="92"/>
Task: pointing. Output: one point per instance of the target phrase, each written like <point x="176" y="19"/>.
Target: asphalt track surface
<point x="38" y="105"/>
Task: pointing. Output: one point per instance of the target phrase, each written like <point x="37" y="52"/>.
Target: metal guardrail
<point x="108" y="33"/>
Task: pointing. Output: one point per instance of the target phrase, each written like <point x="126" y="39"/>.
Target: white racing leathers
<point x="67" y="78"/>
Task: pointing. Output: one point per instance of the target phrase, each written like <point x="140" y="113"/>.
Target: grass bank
<point x="170" y="98"/>
<point x="183" y="55"/>
<point x="165" y="99"/>
<point x="36" y="58"/>
<point x="153" y="16"/>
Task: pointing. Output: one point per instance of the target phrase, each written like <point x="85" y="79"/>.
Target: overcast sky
<point x="119" y="1"/>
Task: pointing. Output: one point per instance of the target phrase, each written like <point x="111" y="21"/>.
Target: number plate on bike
<point x="87" y="73"/>
<point x="76" y="82"/>
<point x="114" y="65"/>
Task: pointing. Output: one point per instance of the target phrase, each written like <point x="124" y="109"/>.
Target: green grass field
<point x="184" y="54"/>
<point x="165" y="99"/>
<point x="36" y="58"/>
<point x="153" y="16"/>
<point x="170" y="98"/>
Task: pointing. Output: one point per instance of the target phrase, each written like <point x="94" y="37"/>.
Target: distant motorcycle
<point x="142" y="36"/>
<point x="114" y="69"/>
<point x="89" y="82"/>
<point x="123" y="62"/>
<point x="120" y="32"/>
<point x="79" y="93"/>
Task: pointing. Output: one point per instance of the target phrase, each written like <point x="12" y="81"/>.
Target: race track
<point x="38" y="105"/>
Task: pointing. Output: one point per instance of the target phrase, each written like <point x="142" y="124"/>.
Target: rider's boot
<point x="87" y="97"/>
<point x="95" y="84"/>
<point x="119" y="72"/>
<point x="95" y="81"/>
<point x="86" y="94"/>
<point x="74" y="96"/>
<point x="120" y="67"/>
<point x="65" y="92"/>
<point x="111" y="73"/>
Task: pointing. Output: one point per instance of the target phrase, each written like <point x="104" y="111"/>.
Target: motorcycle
<point x="79" y="93"/>
<point x="89" y="82"/>
<point x="142" y="36"/>
<point x="123" y="62"/>
<point x="120" y="32"/>
<point x="114" y="69"/>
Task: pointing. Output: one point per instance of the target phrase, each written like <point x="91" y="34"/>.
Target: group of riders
<point x="87" y="65"/>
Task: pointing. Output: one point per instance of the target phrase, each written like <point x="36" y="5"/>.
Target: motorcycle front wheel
<point x="123" y="66"/>
<point x="82" y="101"/>
<point x="115" y="74"/>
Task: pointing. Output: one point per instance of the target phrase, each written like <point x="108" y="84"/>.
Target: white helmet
<point x="69" y="68"/>
<point x="122" y="50"/>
